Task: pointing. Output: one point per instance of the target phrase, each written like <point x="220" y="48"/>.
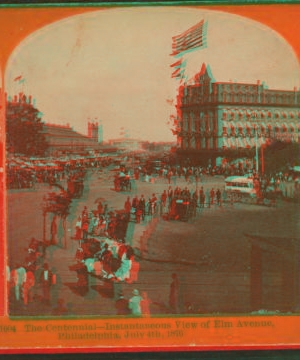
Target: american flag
<point x="191" y="39"/>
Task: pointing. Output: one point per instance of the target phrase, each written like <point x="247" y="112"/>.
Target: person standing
<point x="53" y="230"/>
<point x="134" y="303"/>
<point x="218" y="194"/>
<point x="145" y="305"/>
<point x="56" y="284"/>
<point x="142" y="206"/>
<point x="170" y="196"/>
<point x="153" y="204"/>
<point x="45" y="281"/>
<point x="212" y="196"/>
<point x="122" y="306"/>
<point x="202" y="197"/>
<point x="28" y="285"/>
<point x="207" y="196"/>
<point x="127" y="205"/>
<point x="174" y="294"/>
<point x="21" y="280"/>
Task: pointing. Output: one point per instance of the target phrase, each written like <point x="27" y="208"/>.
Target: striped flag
<point x="178" y="73"/>
<point x="179" y="67"/>
<point x="192" y="39"/>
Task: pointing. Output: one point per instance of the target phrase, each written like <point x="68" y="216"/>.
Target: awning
<point x="225" y="124"/>
<point x="291" y="126"/>
<point x="225" y="114"/>
<point x="241" y="124"/>
<point x="263" y="140"/>
<point x="246" y="144"/>
<point x="248" y="125"/>
<point x="226" y="143"/>
<point x="278" y="126"/>
<point x="268" y="141"/>
<point x="277" y="114"/>
<point x="262" y="114"/>
<point x="252" y="142"/>
<point x="231" y="114"/>
<point x="263" y="126"/>
<point x="240" y="114"/>
<point x="260" y="141"/>
<point x="240" y="143"/>
<point x="249" y="144"/>
<point x="232" y="127"/>
<point x="248" y="113"/>
<point x="231" y="142"/>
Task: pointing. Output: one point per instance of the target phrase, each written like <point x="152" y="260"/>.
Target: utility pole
<point x="256" y="150"/>
<point x="262" y="159"/>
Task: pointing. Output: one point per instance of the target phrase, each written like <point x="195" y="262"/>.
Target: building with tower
<point x="213" y="116"/>
<point x="93" y="129"/>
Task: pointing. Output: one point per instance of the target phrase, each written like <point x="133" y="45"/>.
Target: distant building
<point x="93" y="129"/>
<point x="127" y="144"/>
<point x="212" y="116"/>
<point x="63" y="139"/>
<point x="158" y="146"/>
<point x="100" y="134"/>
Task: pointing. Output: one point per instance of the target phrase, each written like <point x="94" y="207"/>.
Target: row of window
<point x="242" y="98"/>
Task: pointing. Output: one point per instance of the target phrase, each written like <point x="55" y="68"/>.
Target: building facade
<point x="212" y="116"/>
<point x="62" y="139"/>
<point x="127" y="144"/>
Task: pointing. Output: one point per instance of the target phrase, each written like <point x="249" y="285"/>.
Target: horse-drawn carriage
<point x="122" y="183"/>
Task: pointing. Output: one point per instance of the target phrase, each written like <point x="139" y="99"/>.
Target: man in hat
<point x="122" y="305"/>
<point x="134" y="303"/>
<point x="46" y="281"/>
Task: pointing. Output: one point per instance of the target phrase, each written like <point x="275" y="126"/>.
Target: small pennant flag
<point x="179" y="64"/>
<point x="18" y="78"/>
<point x="178" y="73"/>
<point x="192" y="39"/>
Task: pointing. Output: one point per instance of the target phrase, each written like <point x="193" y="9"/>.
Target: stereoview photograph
<point x="152" y="166"/>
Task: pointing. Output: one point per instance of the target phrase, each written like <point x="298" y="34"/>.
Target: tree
<point x="278" y="155"/>
<point x="58" y="204"/>
<point x="24" y="129"/>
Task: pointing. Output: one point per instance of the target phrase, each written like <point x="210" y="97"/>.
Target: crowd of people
<point x="29" y="175"/>
<point x="103" y="251"/>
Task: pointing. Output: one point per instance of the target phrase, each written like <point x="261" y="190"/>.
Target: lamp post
<point x="256" y="143"/>
<point x="262" y="159"/>
<point x="44" y="208"/>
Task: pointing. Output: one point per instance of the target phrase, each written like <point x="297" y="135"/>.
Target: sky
<point x="114" y="65"/>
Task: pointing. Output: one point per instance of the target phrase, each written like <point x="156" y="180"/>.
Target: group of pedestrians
<point x="103" y="221"/>
<point x="28" y="285"/>
<point x="171" y="200"/>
